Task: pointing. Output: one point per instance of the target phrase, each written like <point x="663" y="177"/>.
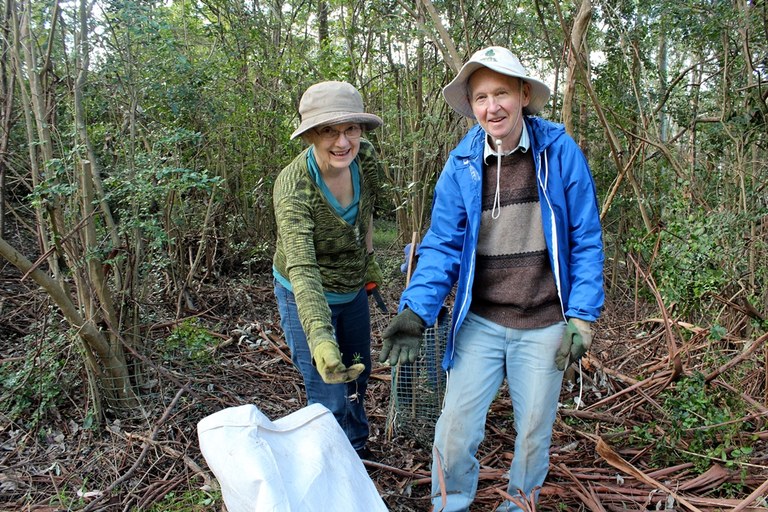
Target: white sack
<point x="302" y="462"/>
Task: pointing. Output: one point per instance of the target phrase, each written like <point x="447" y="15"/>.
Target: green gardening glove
<point x="373" y="274"/>
<point x="577" y="339"/>
<point x="328" y="362"/>
<point x="402" y="338"/>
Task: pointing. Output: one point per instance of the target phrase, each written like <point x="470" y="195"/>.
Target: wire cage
<point x="418" y="388"/>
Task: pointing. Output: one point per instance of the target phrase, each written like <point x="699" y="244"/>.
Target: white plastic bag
<point x="302" y="462"/>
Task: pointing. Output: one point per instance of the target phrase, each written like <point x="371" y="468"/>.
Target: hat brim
<point x="455" y="93"/>
<point x="369" y="121"/>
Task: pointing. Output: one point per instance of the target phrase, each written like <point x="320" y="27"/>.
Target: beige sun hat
<point x="502" y="61"/>
<point x="332" y="102"/>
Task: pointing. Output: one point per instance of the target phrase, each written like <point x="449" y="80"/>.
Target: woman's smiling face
<point x="335" y="145"/>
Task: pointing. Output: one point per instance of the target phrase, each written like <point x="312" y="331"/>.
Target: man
<point x="515" y="226"/>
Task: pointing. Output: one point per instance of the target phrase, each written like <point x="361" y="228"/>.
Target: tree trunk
<point x="450" y="54"/>
<point x="20" y="37"/>
<point x="6" y="106"/>
<point x="115" y="380"/>
<point x="73" y="237"/>
<point x="578" y="60"/>
<point x="663" y="64"/>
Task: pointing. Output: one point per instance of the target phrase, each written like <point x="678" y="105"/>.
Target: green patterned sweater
<point x="316" y="249"/>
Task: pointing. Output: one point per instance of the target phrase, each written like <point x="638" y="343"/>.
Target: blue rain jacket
<point x="570" y="218"/>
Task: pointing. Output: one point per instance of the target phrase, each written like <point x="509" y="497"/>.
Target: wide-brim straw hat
<point x="332" y="102"/>
<point x="502" y="61"/>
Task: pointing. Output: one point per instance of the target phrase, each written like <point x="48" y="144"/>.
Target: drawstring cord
<point x="496" y="210"/>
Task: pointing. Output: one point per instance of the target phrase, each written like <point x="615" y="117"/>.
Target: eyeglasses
<point x="353" y="132"/>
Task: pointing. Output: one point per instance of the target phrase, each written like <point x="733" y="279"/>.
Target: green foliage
<point x="189" y="340"/>
<point x="700" y="425"/>
<point x="64" y="500"/>
<point x="689" y="256"/>
<point x="189" y="501"/>
<point x="384" y="234"/>
<point x="644" y="434"/>
<point x="717" y="332"/>
<point x="56" y="184"/>
<point x="34" y="385"/>
<point x="162" y="204"/>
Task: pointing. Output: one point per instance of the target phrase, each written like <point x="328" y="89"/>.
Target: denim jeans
<point x="352" y="324"/>
<point x="486" y="353"/>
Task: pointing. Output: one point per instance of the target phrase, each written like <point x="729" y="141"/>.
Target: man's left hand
<point x="577" y="339"/>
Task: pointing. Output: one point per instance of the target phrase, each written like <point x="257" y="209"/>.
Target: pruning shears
<point x="372" y="289"/>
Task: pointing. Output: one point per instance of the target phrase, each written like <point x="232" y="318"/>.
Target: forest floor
<point x="610" y="453"/>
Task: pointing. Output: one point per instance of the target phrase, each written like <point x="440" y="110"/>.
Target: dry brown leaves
<point x="137" y="460"/>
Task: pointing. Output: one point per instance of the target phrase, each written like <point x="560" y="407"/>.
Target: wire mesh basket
<point x="418" y="388"/>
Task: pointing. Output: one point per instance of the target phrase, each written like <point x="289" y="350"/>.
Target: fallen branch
<point x="760" y="492"/>
<point x="615" y="460"/>
<point x="140" y="459"/>
<point x="397" y="471"/>
<point x="738" y="359"/>
<point x="191" y="464"/>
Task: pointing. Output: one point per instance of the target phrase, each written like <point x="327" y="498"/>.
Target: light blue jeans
<point x="352" y="324"/>
<point x="486" y="353"/>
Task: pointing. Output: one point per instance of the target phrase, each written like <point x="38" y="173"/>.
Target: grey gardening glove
<point x="328" y="362"/>
<point x="402" y="338"/>
<point x="576" y="341"/>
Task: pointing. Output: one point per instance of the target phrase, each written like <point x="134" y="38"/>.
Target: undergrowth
<point x="701" y="424"/>
<point x="35" y="385"/>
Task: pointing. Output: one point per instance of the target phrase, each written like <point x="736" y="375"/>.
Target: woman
<point x="324" y="202"/>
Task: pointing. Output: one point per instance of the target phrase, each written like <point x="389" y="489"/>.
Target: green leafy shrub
<point x="687" y="256"/>
<point x="697" y="253"/>
<point x="34" y="386"/>
<point x="189" y="340"/>
<point x="701" y="426"/>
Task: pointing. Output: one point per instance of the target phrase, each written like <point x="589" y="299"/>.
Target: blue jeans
<point x="352" y="324"/>
<point x="486" y="353"/>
